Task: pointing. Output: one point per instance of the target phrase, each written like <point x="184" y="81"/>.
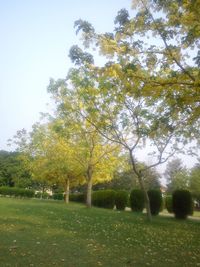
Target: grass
<point x="50" y="233"/>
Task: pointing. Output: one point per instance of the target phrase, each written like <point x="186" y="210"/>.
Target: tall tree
<point x="96" y="156"/>
<point x="194" y="181"/>
<point x="176" y="175"/>
<point x="13" y="170"/>
<point x="53" y="158"/>
<point x="144" y="93"/>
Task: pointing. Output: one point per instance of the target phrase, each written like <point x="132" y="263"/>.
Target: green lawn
<point x="49" y="233"/>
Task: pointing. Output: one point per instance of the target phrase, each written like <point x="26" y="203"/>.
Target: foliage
<point x="77" y="197"/>
<point x="95" y="156"/>
<point x="137" y="200"/>
<point x="43" y="195"/>
<point x="176" y="175"/>
<point x="194" y="182"/>
<point x="104" y="199"/>
<point x="121" y="199"/>
<point x="122" y="180"/>
<point x="182" y="203"/>
<point x="155" y="198"/>
<point x="58" y="196"/>
<point x="144" y="93"/>
<point x="16" y="192"/>
<point x="168" y="203"/>
<point x="13" y="171"/>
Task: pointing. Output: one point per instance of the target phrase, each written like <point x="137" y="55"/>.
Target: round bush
<point x="182" y="203"/>
<point x="104" y="199"/>
<point x="168" y="204"/>
<point x="121" y="199"/>
<point x="137" y="200"/>
<point x="155" y="199"/>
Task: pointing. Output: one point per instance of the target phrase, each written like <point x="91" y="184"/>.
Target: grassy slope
<point x="48" y="233"/>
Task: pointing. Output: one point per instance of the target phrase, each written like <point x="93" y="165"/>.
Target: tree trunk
<point x="141" y="182"/>
<point x="89" y="188"/>
<point x="66" y="193"/>
<point x="146" y="197"/>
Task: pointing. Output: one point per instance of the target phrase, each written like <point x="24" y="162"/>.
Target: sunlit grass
<point x="50" y="233"/>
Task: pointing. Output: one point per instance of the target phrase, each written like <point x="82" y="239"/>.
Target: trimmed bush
<point x="104" y="199"/>
<point x="121" y="199"/>
<point x="16" y="192"/>
<point x="58" y="196"/>
<point x="77" y="197"/>
<point x="137" y="200"/>
<point x="168" y="204"/>
<point x="182" y="203"/>
<point x="155" y="199"/>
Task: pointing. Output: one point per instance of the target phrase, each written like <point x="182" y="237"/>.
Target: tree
<point x="53" y="158"/>
<point x="170" y="59"/>
<point x="13" y="170"/>
<point x="130" y="120"/>
<point x="194" y="181"/>
<point x="94" y="154"/>
<point x="176" y="175"/>
<point x="144" y="93"/>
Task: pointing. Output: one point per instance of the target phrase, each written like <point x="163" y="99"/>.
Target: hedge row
<point x="180" y="202"/>
<point x="137" y="200"/>
<point x="16" y="192"/>
<point x="104" y="199"/>
<point x="44" y="195"/>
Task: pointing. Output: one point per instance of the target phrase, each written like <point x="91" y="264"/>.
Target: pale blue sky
<point x="35" y="39"/>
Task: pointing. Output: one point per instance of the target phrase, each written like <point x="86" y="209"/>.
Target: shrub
<point x="77" y="197"/>
<point x="121" y="199"/>
<point x="182" y="203"/>
<point x="104" y="199"/>
<point x="58" y="196"/>
<point x="168" y="204"/>
<point x="16" y="192"/>
<point x="155" y="199"/>
<point x="137" y="200"/>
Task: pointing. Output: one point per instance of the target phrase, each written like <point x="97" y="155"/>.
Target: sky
<point x="36" y="36"/>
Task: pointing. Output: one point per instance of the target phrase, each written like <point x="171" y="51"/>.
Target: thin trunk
<point x="43" y="189"/>
<point x="146" y="197"/>
<point x="66" y="193"/>
<point x="89" y="188"/>
<point x="141" y="182"/>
